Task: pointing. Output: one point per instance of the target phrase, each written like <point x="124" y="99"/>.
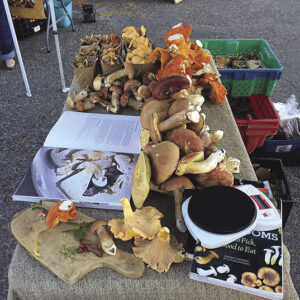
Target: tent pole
<point x="16" y="44"/>
<point x="61" y="70"/>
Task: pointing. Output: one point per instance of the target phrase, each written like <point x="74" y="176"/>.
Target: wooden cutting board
<point x="70" y="268"/>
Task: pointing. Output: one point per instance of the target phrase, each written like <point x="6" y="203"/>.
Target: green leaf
<point x="79" y="234"/>
<point x="40" y="203"/>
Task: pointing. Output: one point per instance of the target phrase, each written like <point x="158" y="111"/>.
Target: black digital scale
<point x="218" y="215"/>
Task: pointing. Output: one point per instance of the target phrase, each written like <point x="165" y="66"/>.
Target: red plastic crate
<point x="254" y="132"/>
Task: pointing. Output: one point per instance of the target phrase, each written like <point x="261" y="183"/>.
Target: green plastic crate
<point x="245" y="82"/>
<point x="246" y="88"/>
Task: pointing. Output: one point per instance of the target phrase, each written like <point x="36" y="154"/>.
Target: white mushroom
<point x="276" y="255"/>
<point x="231" y="278"/>
<point x="123" y="162"/>
<point x="223" y="269"/>
<point x="211" y="271"/>
<point x="59" y="157"/>
<point x="268" y="254"/>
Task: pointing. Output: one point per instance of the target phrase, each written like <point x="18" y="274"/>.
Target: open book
<point x="87" y="158"/>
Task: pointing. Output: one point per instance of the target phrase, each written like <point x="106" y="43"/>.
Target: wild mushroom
<point x="161" y="252"/>
<point x="133" y="85"/>
<point x="268" y="254"/>
<point x="164" y="160"/>
<point x="186" y="140"/>
<point x="178" y="119"/>
<point x="177" y="185"/>
<point x="140" y="180"/>
<point x="70" y="102"/>
<point x="210" y="271"/>
<point x="142" y="223"/>
<point x="144" y="92"/>
<point x="269" y="276"/>
<point x="80" y="96"/>
<point x="61" y="212"/>
<point x="159" y="107"/>
<point x="127" y="71"/>
<point x="83" y="106"/>
<point x="249" y="279"/>
<point x="106" y="241"/>
<point x="97" y="83"/>
<point x="147" y="78"/>
<point x="167" y="86"/>
<point x="144" y="137"/>
<point x="127" y="99"/>
<point x="188" y="165"/>
<point x="198" y="127"/>
<point x="115" y="98"/>
<point x="210" y="138"/>
<point x="178" y="105"/>
<point x="153" y="129"/>
<point x="276" y="255"/>
<point x="278" y="289"/>
<point x="203" y="260"/>
<point x="266" y="288"/>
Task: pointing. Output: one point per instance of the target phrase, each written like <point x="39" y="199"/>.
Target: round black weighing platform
<point x="221" y="209"/>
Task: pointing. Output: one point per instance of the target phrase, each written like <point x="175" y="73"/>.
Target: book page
<point x="93" y="131"/>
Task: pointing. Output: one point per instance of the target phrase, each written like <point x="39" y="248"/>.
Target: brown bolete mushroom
<point x="198" y="127"/>
<point x="179" y="105"/>
<point x="144" y="137"/>
<point x="142" y="223"/>
<point x="144" y="92"/>
<point x="209" y="138"/>
<point x="147" y="78"/>
<point x="140" y="180"/>
<point x="203" y="260"/>
<point x="269" y="276"/>
<point x="159" y="107"/>
<point x="161" y="252"/>
<point x="177" y="185"/>
<point x="164" y="159"/>
<point x="106" y="241"/>
<point x="115" y="98"/>
<point x="133" y="85"/>
<point x="187" y="140"/>
<point x="97" y="83"/>
<point x="83" y="106"/>
<point x="127" y="71"/>
<point x="167" y="86"/>
<point x="188" y="164"/>
<point x="80" y="96"/>
<point x="153" y="129"/>
<point x="127" y="99"/>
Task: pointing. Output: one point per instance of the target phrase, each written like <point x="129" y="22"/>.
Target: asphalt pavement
<point x="25" y="122"/>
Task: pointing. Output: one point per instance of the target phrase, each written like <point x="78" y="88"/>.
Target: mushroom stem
<point x="115" y="100"/>
<point x="133" y="103"/>
<point x="178" y="119"/>
<point x="126" y="208"/>
<point x="178" y="212"/>
<point x="204" y="166"/>
<point x="83" y="106"/>
<point x="106" y="241"/>
<point x="114" y="76"/>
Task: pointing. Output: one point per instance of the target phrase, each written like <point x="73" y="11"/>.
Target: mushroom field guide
<point x="252" y="264"/>
<point x="89" y="161"/>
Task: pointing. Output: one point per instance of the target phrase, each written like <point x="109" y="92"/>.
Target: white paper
<point x="91" y="131"/>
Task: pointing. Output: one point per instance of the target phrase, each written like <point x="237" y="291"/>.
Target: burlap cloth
<point x="29" y="280"/>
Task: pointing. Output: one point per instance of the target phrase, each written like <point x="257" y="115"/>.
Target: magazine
<point x="87" y="158"/>
<point x="252" y="264"/>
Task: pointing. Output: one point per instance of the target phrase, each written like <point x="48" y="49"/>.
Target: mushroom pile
<point x="153" y="243"/>
<point x="185" y="58"/>
<point x="111" y="49"/>
<point x="177" y="151"/>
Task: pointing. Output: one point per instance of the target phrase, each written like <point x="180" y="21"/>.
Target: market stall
<point x="143" y="223"/>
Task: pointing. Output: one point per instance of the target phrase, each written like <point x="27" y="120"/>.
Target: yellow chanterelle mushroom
<point x="142" y="223"/>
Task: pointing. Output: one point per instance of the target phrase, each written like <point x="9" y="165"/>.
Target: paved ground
<point x="25" y="122"/>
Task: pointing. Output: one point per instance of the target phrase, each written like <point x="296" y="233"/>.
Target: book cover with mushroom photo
<point x="251" y="264"/>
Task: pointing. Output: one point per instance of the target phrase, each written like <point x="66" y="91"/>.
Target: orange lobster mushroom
<point x="185" y="30"/>
<point x="177" y="66"/>
<point x="61" y="212"/>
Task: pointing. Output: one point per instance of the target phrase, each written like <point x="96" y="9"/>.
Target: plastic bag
<point x="289" y="115"/>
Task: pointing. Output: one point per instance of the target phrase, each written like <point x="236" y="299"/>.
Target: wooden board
<point x="70" y="268"/>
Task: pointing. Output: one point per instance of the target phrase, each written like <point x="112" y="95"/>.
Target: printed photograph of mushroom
<point x="252" y="264"/>
<point x="82" y="175"/>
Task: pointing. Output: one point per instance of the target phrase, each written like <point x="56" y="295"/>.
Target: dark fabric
<point x="6" y="41"/>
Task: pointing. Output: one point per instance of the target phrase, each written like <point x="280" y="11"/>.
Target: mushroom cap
<point x="130" y="69"/>
<point x="131" y="83"/>
<point x="159" y="107"/>
<point x="266" y="288"/>
<point x="249" y="279"/>
<point x="269" y="276"/>
<point x="144" y="92"/>
<point x="187" y="140"/>
<point x="161" y="252"/>
<point x="124" y="98"/>
<point x="147" y="78"/>
<point x="197" y="127"/>
<point x="178" y="182"/>
<point x="79" y="106"/>
<point x="164" y="160"/>
<point x="167" y="86"/>
<point x="116" y="89"/>
<point x="179" y="105"/>
<point x="97" y="224"/>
